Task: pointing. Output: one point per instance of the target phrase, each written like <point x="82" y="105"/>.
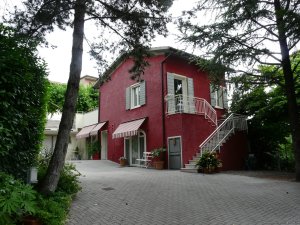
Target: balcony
<point x="192" y="105"/>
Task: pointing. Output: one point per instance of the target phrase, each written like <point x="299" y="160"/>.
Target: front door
<point x="174" y="144"/>
<point x="104" y="144"/>
<point x="134" y="148"/>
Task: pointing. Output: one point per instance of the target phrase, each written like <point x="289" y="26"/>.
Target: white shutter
<point x="143" y="93"/>
<point x="171" y="92"/>
<point x="190" y="87"/>
<point x="212" y="96"/>
<point x="170" y="82"/>
<point x="225" y="98"/>
<point x="191" y="103"/>
<point x="128" y="98"/>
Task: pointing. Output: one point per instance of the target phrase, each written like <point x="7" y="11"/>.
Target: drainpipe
<point x="163" y="99"/>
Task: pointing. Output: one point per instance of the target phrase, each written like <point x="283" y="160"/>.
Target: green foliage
<point x="22" y="105"/>
<point x="87" y="99"/>
<point x="208" y="160"/>
<point x="93" y="148"/>
<point x="286" y="159"/>
<point x="159" y="153"/>
<point x="69" y="179"/>
<point x="16" y="199"/>
<point x="53" y="210"/>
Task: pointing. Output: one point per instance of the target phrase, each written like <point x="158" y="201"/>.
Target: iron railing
<point x="223" y="131"/>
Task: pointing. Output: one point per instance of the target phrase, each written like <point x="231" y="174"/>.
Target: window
<point x="135" y="96"/>
<point x="180" y="94"/>
<point x="219" y="97"/>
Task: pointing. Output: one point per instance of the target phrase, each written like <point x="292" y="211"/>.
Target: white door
<point x="104" y="144"/>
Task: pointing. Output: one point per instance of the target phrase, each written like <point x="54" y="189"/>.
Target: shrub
<point x="23" y="103"/>
<point x="69" y="179"/>
<point x="16" y="199"/>
<point x="53" y="210"/>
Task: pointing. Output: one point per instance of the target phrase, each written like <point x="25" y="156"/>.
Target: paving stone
<point x="115" y="195"/>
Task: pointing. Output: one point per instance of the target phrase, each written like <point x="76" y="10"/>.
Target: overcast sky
<point x="58" y="59"/>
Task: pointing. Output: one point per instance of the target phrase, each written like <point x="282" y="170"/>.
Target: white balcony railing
<point x="187" y="104"/>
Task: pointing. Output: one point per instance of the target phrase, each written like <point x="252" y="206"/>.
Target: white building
<point x="79" y="138"/>
<point x="81" y="121"/>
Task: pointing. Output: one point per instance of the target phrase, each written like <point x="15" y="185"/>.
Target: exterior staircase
<point x="217" y="138"/>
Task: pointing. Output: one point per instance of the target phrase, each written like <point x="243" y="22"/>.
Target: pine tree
<point x="135" y="21"/>
<point x="245" y="34"/>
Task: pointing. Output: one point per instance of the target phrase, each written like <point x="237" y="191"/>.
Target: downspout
<point x="163" y="99"/>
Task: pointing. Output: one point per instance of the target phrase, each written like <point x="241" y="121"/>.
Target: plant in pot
<point x="123" y="161"/>
<point x="159" y="156"/>
<point x="208" y="163"/>
<point x="94" y="150"/>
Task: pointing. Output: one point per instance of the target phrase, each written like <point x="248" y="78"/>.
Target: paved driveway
<point x="114" y="195"/>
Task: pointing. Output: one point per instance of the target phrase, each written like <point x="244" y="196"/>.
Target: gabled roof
<point x="153" y="51"/>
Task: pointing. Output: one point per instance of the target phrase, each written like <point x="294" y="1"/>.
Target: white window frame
<point x="184" y="91"/>
<point x="132" y="93"/>
<point x="219" y="98"/>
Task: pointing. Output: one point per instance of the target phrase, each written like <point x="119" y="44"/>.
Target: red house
<point x="173" y="106"/>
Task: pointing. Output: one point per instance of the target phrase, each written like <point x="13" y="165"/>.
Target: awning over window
<point x="85" y="132"/>
<point x="96" y="128"/>
<point x="128" y="128"/>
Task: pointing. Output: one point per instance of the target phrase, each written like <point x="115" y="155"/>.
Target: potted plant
<point x="123" y="161"/>
<point x="158" y="156"/>
<point x="94" y="150"/>
<point x="208" y="163"/>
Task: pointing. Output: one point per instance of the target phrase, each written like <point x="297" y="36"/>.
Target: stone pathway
<point x="114" y="195"/>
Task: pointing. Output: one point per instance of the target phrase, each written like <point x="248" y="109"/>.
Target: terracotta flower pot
<point x="123" y="162"/>
<point x="159" y="165"/>
<point x="31" y="220"/>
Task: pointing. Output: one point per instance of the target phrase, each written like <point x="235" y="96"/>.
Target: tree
<point x="246" y="33"/>
<point x="23" y="103"/>
<point x="87" y="98"/>
<point x="267" y="113"/>
<point x="134" y="21"/>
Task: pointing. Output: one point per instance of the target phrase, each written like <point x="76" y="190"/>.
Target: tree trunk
<point x="50" y="181"/>
<point x="289" y="86"/>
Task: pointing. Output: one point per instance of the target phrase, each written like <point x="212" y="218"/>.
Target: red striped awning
<point x="96" y="128"/>
<point x="128" y="128"/>
<point x="85" y="132"/>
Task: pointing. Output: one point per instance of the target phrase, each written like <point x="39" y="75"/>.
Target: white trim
<point x="132" y="87"/>
<point x="181" y="161"/>
<point x="219" y="98"/>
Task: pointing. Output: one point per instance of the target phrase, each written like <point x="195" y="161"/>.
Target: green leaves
<point x="87" y="99"/>
<point x="22" y="105"/>
<point x="16" y="198"/>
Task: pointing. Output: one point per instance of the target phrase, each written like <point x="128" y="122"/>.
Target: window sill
<point x="135" y="107"/>
<point x="218" y="107"/>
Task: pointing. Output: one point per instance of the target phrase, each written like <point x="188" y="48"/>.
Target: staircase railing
<point x="189" y="104"/>
<point x="222" y="132"/>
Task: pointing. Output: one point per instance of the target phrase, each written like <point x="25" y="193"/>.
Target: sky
<point x="58" y="58"/>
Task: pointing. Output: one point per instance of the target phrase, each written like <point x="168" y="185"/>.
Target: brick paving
<point x="114" y="195"/>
